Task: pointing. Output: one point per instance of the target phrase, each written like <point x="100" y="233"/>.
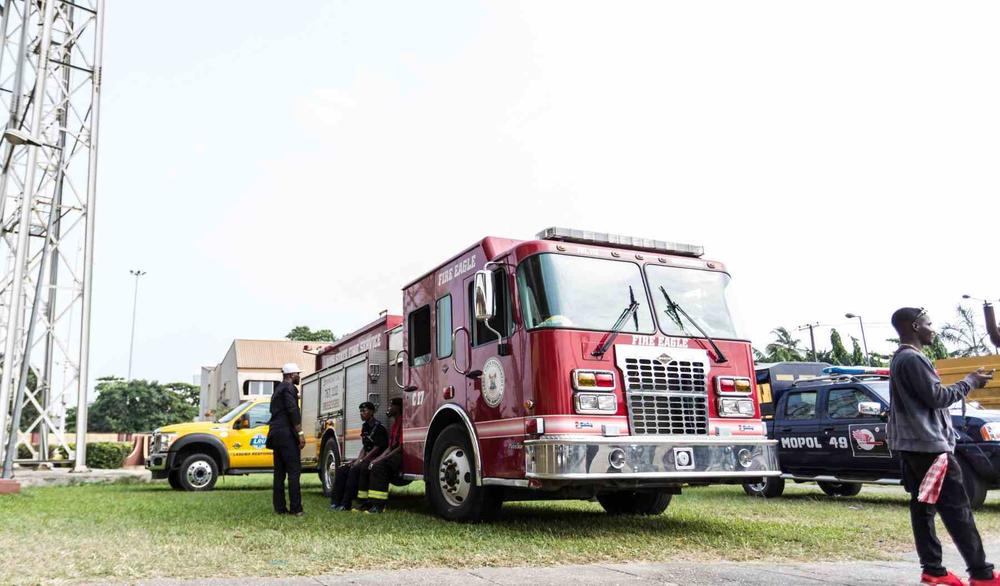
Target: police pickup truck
<point x="831" y="430"/>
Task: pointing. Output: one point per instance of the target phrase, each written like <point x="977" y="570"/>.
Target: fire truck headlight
<point x="736" y="408"/>
<point x="596" y="403"/>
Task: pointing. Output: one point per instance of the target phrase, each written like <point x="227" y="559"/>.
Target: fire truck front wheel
<point x="451" y="480"/>
<point x="768" y="488"/>
<point x="628" y="502"/>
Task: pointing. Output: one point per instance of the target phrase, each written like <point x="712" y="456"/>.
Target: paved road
<point x="900" y="572"/>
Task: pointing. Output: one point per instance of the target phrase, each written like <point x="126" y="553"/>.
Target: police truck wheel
<point x="629" y="502"/>
<point x="769" y="488"/>
<point x="974" y="485"/>
<point x="174" y="479"/>
<point x="198" y="472"/>
<point x="328" y="463"/>
<point x="840" y="488"/>
<point x="451" y="480"/>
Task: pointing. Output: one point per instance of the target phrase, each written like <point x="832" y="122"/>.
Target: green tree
<point x="784" y="348"/>
<point x="857" y="356"/>
<point x="964" y="336"/>
<point x="838" y="353"/>
<point x="305" y="334"/>
<point x="138" y="405"/>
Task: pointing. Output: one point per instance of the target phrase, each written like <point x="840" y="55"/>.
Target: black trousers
<point x="383" y="472"/>
<point x="287" y="460"/>
<point x="956" y="513"/>
<point x="346" y="483"/>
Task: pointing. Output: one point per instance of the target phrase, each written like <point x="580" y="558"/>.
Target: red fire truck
<point x="574" y="366"/>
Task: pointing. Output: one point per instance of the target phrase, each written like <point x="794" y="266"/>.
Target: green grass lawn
<point x="133" y="531"/>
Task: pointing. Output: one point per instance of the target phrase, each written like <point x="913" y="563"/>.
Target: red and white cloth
<point x="930" y="486"/>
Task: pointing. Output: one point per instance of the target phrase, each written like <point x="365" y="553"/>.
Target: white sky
<point x="275" y="164"/>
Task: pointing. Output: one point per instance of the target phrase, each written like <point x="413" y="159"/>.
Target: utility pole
<point x="812" y="337"/>
<point x="868" y="360"/>
<point x="135" y="301"/>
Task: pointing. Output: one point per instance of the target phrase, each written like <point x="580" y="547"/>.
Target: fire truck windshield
<point x="702" y="294"/>
<point x="576" y="292"/>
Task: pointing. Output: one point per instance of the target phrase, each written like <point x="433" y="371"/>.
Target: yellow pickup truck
<point x="193" y="455"/>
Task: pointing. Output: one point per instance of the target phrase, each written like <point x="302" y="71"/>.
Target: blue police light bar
<point x="602" y="238"/>
<point x="855" y="370"/>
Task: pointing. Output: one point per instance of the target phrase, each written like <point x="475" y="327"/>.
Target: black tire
<point x="451" y="480"/>
<point x="174" y="479"/>
<point x="198" y="473"/>
<point x="840" y="488"/>
<point x="327" y="474"/>
<point x="768" y="488"/>
<point x="630" y="502"/>
<point x="975" y="487"/>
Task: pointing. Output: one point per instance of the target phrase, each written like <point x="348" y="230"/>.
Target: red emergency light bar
<point x="605" y="239"/>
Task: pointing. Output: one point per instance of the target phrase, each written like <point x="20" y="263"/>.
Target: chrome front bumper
<point x="654" y="458"/>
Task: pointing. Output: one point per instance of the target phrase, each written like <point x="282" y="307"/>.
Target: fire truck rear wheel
<point x="328" y="463"/>
<point x="198" y="472"/>
<point x="630" y="502"/>
<point x="840" y="488"/>
<point x="768" y="488"/>
<point x="451" y="480"/>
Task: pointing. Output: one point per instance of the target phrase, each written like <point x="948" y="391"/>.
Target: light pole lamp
<point x="868" y="360"/>
<point x="135" y="301"/>
<point x="988" y="314"/>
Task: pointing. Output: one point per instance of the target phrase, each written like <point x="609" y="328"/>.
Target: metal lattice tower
<point x="50" y="80"/>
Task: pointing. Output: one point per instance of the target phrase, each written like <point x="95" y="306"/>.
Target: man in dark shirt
<point x="920" y="430"/>
<point x="286" y="439"/>
<point x="387" y="466"/>
<point x="374" y="440"/>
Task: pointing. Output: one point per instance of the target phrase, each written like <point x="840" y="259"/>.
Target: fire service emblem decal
<point x="493" y="382"/>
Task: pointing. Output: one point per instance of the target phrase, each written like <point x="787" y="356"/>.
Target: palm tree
<point x="964" y="335"/>
<point x="784" y="348"/>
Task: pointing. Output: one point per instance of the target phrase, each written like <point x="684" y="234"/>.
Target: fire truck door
<point x="493" y="400"/>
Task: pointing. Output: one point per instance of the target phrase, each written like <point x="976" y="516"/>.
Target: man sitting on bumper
<point x="387" y="466"/>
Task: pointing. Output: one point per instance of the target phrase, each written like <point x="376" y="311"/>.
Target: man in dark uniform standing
<point x="286" y="439"/>
<point x="387" y="466"/>
<point x="374" y="439"/>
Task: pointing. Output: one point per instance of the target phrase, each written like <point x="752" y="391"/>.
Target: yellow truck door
<point x="246" y="444"/>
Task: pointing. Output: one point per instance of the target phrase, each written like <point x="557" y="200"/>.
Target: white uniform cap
<point x="290" y="368"/>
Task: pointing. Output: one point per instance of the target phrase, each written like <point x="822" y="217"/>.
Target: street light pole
<point x="868" y="358"/>
<point x="135" y="301"/>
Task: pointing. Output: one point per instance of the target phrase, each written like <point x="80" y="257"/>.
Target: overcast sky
<point x="271" y="165"/>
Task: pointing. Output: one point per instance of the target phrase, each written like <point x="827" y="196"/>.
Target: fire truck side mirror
<point x="485" y="302"/>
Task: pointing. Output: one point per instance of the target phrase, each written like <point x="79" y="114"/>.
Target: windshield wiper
<point x="673" y="309"/>
<point x="609" y="339"/>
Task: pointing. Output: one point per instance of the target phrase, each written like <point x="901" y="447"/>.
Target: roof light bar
<point x="647" y="244"/>
<point x="856" y="370"/>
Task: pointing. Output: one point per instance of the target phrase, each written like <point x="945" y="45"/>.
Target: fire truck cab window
<point x="501" y="318"/>
<point x="562" y="291"/>
<point x="420" y="336"/>
<point x="801" y="405"/>
<point x="702" y="294"/>
<point x="442" y="312"/>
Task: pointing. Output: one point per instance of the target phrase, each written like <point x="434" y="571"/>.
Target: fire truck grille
<point x="668" y="414"/>
<point x="666" y="399"/>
